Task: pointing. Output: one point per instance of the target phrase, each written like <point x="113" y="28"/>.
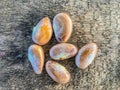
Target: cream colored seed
<point x="57" y="72"/>
<point x="62" y="25"/>
<point x="42" y="32"/>
<point x="36" y="58"/>
<point x="63" y="51"/>
<point x="86" y="55"/>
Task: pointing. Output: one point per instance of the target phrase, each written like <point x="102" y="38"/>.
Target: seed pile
<point x="41" y="35"/>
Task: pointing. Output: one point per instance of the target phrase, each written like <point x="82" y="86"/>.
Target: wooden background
<point x="94" y="21"/>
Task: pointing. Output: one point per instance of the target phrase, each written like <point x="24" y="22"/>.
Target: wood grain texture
<point x="93" y="21"/>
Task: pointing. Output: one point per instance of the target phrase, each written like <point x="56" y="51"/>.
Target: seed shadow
<point x="117" y="70"/>
<point x="19" y="47"/>
<point x="23" y="33"/>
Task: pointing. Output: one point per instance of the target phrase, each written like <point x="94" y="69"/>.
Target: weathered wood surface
<point x="94" y="20"/>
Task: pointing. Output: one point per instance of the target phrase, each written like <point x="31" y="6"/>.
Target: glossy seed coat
<point x="57" y="72"/>
<point x="86" y="55"/>
<point x="42" y="32"/>
<point x="63" y="51"/>
<point x="36" y="58"/>
<point x="62" y="25"/>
